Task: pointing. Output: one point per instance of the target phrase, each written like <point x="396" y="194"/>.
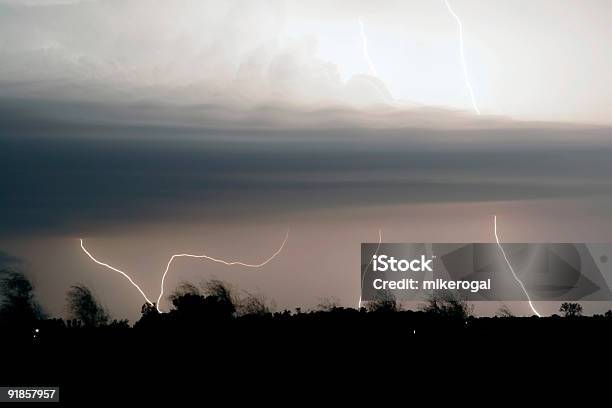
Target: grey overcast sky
<point x="150" y="127"/>
<point x="535" y="60"/>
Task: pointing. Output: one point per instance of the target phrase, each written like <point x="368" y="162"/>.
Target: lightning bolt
<point x="367" y="266"/>
<point x="512" y="269"/>
<point x="210" y="258"/>
<point x="203" y="256"/>
<point x="116" y="270"/>
<point x="366" y="53"/>
<point x="463" y="64"/>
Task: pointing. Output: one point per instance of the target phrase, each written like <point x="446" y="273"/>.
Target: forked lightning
<point x="202" y="256"/>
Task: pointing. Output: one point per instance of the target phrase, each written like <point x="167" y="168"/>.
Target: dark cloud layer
<point x="66" y="173"/>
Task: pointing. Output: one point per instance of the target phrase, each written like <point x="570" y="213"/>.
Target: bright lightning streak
<point x="368" y="265"/>
<point x="116" y="270"/>
<point x="366" y="53"/>
<point x="210" y="258"/>
<point x="511" y="269"/>
<point x="463" y="64"/>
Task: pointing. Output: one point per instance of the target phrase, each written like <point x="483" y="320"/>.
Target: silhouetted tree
<point x="328" y="304"/>
<point x="504" y="311"/>
<point x="253" y="304"/>
<point x="447" y="304"/>
<point x="220" y="291"/>
<point x="149" y="309"/>
<point x="571" y="309"/>
<point x="214" y="302"/>
<point x="185" y="288"/>
<point x="385" y="302"/>
<point x="119" y="324"/>
<point x="83" y="306"/>
<point x="18" y="305"/>
<point x="150" y="317"/>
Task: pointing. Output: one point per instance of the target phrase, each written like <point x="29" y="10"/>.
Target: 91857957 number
<point x="15" y="394"/>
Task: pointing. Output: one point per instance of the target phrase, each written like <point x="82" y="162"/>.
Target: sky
<point x="150" y="127"/>
<point x="535" y="60"/>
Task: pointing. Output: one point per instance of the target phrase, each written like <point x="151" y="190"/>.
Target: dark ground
<point x="343" y="351"/>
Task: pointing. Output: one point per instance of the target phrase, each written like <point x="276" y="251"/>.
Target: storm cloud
<point x="148" y="127"/>
<point x="69" y="173"/>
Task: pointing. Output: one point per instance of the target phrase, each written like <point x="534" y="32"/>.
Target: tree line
<point x="216" y="302"/>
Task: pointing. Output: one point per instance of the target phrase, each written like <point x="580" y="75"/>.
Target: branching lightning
<point x="367" y="266"/>
<point x="203" y="256"/>
<point x="463" y="64"/>
<point x="512" y="269"/>
<point x="366" y="52"/>
<point x="210" y="258"/>
<point x="116" y="270"/>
